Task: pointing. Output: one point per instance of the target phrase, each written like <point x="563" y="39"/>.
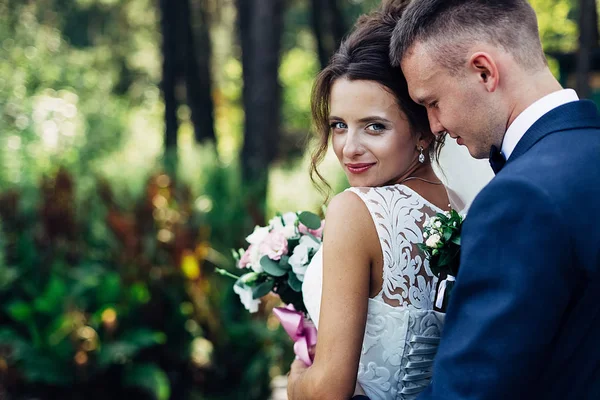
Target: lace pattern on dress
<point x="399" y="214"/>
<point x="402" y="331"/>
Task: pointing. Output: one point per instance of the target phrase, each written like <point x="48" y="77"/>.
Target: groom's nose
<point x="434" y="123"/>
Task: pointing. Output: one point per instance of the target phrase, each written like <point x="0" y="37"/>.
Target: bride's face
<point x="371" y="136"/>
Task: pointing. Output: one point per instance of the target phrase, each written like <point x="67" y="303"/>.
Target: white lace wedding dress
<point x="402" y="330"/>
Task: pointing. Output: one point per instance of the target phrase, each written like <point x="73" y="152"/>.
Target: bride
<point x="371" y="292"/>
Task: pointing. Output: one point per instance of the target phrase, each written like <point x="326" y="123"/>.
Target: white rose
<point x="299" y="257"/>
<point x="290" y="231"/>
<point x="290" y="218"/>
<point x="275" y="223"/>
<point x="309" y="242"/>
<point x="255" y="257"/>
<point x="259" y="234"/>
<point x="300" y="272"/>
<point x="433" y="240"/>
<point x="438" y="224"/>
<point x="245" y="294"/>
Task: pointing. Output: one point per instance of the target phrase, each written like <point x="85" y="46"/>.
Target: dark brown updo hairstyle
<point x="364" y="55"/>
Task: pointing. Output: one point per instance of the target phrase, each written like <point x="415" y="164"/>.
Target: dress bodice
<point x="402" y="330"/>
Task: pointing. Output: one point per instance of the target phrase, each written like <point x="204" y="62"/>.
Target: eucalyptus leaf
<point x="310" y="220"/>
<point x="294" y="282"/>
<point x="284" y="263"/>
<point x="272" y="267"/>
<point x="456" y="240"/>
<point x="262" y="289"/>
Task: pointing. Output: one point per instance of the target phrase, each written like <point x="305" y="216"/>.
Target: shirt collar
<point x="531" y="114"/>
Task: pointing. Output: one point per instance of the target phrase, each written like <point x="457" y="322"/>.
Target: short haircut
<point x="450" y="27"/>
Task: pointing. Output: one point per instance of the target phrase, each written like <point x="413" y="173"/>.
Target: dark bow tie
<point x="497" y="159"/>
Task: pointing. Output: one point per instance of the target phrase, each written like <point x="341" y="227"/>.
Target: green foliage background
<point x="106" y="264"/>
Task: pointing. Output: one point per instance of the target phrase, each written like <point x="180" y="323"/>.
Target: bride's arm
<point x="350" y="243"/>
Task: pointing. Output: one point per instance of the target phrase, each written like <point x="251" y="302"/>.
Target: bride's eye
<point x="337" y="125"/>
<point x="376" y="128"/>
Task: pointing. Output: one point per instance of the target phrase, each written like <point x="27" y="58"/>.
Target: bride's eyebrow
<point x="374" y="118"/>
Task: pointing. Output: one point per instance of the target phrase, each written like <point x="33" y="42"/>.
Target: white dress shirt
<point x="531" y="114"/>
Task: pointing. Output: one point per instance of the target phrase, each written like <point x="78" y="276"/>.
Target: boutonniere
<point x="441" y="234"/>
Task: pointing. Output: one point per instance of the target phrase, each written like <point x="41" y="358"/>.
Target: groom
<point x="524" y="318"/>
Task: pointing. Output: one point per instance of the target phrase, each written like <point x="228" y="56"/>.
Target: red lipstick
<point x="359" y="168"/>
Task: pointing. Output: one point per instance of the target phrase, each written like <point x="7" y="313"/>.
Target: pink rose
<point x="245" y="260"/>
<point x="318" y="233"/>
<point x="275" y="245"/>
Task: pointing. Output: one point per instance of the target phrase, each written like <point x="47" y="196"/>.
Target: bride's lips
<point x="359" y="168"/>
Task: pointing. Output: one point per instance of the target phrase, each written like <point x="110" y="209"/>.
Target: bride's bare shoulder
<point x="348" y="217"/>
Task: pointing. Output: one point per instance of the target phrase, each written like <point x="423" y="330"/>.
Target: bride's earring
<point x="421" y="156"/>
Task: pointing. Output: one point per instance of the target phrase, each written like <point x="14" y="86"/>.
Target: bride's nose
<point x="353" y="146"/>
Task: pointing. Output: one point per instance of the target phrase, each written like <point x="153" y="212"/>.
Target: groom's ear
<point x="484" y="66"/>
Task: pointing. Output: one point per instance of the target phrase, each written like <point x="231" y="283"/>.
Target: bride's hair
<point x="364" y="55"/>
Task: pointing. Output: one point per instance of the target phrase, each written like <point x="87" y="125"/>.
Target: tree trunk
<point x="328" y="26"/>
<point x="588" y="39"/>
<point x="260" y="28"/>
<point x="337" y="22"/>
<point x="197" y="70"/>
<point x="169" y="73"/>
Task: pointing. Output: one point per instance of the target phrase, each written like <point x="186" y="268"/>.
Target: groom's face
<point x="454" y="103"/>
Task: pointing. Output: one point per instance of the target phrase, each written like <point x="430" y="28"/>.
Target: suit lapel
<point x="574" y="115"/>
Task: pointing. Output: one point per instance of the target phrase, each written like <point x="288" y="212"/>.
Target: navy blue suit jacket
<point x="524" y="317"/>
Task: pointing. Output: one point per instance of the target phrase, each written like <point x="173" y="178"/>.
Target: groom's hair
<point x="450" y="27"/>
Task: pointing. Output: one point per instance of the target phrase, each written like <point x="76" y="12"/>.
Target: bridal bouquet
<point x="442" y="248"/>
<point x="275" y="261"/>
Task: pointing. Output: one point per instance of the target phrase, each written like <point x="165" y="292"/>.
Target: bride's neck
<point x="423" y="171"/>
